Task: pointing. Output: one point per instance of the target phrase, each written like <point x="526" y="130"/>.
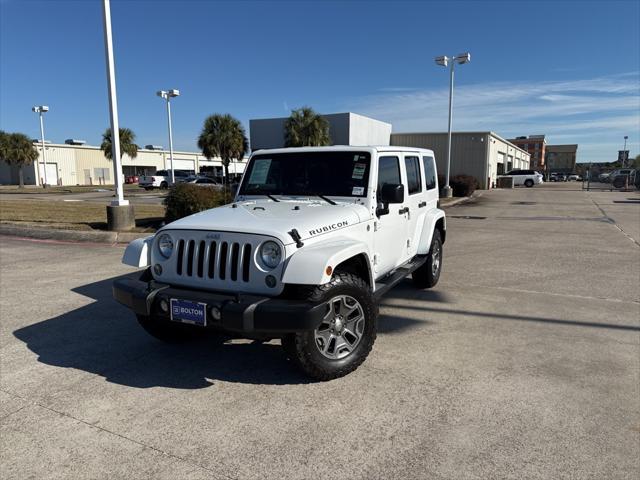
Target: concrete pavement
<point x="524" y="362"/>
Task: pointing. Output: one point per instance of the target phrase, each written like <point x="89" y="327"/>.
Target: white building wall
<point x="87" y="165"/>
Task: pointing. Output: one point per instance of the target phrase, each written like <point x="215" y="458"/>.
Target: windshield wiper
<point x="328" y="200"/>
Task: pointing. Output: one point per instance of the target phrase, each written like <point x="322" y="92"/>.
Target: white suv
<point x="162" y="179"/>
<point x="528" y="178"/>
<point x="314" y="238"/>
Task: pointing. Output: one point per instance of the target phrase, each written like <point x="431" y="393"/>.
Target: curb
<point x="460" y="200"/>
<point x="111" y="238"/>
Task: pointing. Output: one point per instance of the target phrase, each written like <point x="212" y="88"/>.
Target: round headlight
<point x="270" y="254"/>
<point x="165" y="245"/>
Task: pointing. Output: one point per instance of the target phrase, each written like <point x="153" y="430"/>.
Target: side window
<point x="429" y="172"/>
<point x="388" y="171"/>
<point x="414" y="180"/>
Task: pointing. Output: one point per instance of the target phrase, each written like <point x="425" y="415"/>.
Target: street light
<point x="113" y="111"/>
<point x="445" y="61"/>
<point x="40" y="109"/>
<point x="624" y="152"/>
<point x="168" y="95"/>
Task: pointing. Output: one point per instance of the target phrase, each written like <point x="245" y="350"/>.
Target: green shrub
<point x="186" y="199"/>
<point x="463" y="185"/>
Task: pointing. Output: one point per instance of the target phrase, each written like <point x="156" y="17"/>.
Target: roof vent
<point x="74" y="141"/>
<point x="153" y="147"/>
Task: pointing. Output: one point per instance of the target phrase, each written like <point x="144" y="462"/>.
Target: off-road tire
<point x="427" y="275"/>
<point x="528" y="183"/>
<point x="166" y="330"/>
<point x="301" y="348"/>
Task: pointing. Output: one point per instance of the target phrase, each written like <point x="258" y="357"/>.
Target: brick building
<point x="536" y="145"/>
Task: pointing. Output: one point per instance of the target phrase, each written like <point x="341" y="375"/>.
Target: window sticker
<point x="357" y="191"/>
<point x="358" y="171"/>
<point x="260" y="171"/>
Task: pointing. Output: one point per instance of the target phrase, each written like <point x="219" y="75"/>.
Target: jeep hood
<point x="276" y="219"/>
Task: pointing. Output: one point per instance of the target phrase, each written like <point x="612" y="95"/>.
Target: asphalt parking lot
<point x="524" y="362"/>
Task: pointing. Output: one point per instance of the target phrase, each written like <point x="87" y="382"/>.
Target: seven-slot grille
<point x="214" y="259"/>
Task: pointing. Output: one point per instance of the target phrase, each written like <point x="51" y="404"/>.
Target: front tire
<point x="427" y="275"/>
<point x="528" y="183"/>
<point x="346" y="335"/>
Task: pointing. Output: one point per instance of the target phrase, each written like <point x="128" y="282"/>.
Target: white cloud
<point x="599" y="109"/>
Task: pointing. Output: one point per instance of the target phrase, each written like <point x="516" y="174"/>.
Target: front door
<point x="390" y="239"/>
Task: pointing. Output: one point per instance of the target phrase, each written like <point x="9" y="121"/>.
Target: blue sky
<point x="570" y="70"/>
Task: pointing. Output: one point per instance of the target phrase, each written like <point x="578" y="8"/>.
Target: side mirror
<point x="391" y="193"/>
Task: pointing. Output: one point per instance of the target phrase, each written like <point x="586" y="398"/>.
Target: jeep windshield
<point x="340" y="174"/>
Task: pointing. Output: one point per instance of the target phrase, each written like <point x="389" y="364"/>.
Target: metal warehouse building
<point x="484" y="155"/>
<point x="69" y="164"/>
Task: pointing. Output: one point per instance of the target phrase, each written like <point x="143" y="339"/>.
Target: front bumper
<point x="249" y="314"/>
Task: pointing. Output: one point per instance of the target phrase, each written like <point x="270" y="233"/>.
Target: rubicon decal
<point x="328" y="228"/>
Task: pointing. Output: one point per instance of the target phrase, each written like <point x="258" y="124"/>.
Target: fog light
<point x="164" y="306"/>
<point x="216" y="314"/>
<point x="270" y="280"/>
<point x="157" y="268"/>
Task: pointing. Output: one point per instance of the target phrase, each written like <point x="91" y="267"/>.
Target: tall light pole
<point x="40" y="109"/>
<point x="445" y="61"/>
<point x="113" y="107"/>
<point x="624" y="152"/>
<point x="120" y="215"/>
<point x="168" y="95"/>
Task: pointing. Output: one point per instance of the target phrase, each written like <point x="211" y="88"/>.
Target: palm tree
<point x="17" y="149"/>
<point x="306" y="128"/>
<point x="223" y="136"/>
<point x="127" y="143"/>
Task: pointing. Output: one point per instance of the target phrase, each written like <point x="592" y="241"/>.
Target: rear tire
<point x="528" y="183"/>
<point x="164" y="186"/>
<point x="347" y="334"/>
<point x="427" y="275"/>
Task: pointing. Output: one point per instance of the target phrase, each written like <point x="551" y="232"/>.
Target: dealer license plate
<point x="186" y="311"/>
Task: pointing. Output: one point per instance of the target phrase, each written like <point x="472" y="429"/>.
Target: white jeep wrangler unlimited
<point x="314" y="238"/>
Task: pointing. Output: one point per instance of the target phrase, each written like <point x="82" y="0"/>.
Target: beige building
<point x="561" y="158"/>
<point x="483" y="155"/>
<point x="86" y="165"/>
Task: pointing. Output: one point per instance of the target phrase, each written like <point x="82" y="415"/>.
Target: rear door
<point x="416" y="201"/>
<point x="390" y="237"/>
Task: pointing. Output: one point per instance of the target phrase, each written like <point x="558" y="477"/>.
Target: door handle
<point x="422" y="204"/>
<point x="403" y="210"/>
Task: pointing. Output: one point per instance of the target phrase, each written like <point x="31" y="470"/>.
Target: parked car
<point x="573" y="178"/>
<point x="315" y="237"/>
<point x="131" y="179"/>
<point x="528" y="178"/>
<point x="162" y="179"/>
<point x="203" y="181"/>
<point x="604" y="177"/>
<point x="557" y="177"/>
<point x="623" y="176"/>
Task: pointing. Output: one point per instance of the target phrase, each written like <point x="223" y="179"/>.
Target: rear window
<point x="162" y="173"/>
<point x="429" y="172"/>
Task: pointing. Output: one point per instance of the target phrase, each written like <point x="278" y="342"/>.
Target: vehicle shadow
<point x="105" y="339"/>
